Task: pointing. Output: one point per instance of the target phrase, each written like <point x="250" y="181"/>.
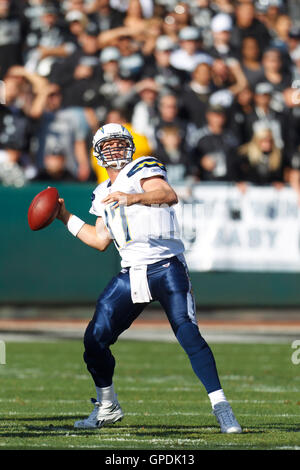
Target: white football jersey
<point x="142" y="234"/>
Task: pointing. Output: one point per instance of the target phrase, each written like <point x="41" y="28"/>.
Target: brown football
<point x="43" y="209"/>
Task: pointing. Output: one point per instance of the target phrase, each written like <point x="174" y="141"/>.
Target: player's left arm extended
<point x="156" y="191"/>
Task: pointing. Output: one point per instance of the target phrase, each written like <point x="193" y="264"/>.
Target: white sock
<point x="106" y="395"/>
<point x="216" y="397"/>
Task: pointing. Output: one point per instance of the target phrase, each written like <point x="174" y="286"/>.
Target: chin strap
<point x="119" y="165"/>
<point x="114" y="164"/>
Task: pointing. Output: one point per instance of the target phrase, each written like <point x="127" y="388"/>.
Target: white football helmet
<point x="115" y="157"/>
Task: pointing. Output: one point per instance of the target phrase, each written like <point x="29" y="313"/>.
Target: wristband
<point x="74" y="225"/>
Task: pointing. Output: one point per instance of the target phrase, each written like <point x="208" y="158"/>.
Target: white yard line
<point x="215" y="335"/>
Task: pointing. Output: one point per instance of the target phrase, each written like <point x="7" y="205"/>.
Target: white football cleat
<point x="224" y="414"/>
<point x="101" y="415"/>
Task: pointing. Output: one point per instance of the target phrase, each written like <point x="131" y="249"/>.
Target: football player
<point x="134" y="210"/>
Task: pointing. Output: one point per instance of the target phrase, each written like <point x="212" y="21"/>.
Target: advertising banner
<point x="225" y="229"/>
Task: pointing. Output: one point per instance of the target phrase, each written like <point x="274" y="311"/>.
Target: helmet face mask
<point x="113" y="146"/>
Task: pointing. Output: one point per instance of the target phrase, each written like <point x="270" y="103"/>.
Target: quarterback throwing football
<point x="134" y="209"/>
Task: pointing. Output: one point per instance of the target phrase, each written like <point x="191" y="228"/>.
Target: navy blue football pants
<point x="169" y="284"/>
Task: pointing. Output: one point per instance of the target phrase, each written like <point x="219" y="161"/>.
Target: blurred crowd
<point x="209" y="87"/>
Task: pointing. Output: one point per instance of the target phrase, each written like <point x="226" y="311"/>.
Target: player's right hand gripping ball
<point x="43" y="209"/>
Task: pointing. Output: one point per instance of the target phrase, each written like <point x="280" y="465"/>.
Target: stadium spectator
<point x="148" y="37"/>
<point x="280" y="122"/>
<point x="11" y="146"/>
<point x="107" y="89"/>
<point x="251" y="61"/>
<point x="13" y="28"/>
<point x="54" y="167"/>
<point x="170" y="27"/>
<point x="261" y="161"/>
<point x="68" y="128"/>
<point x="221" y="27"/>
<point x="77" y="22"/>
<point x="48" y="42"/>
<point x="110" y="85"/>
<point x="273" y="10"/>
<point x="106" y="17"/>
<point x="273" y="70"/>
<point x="134" y="14"/>
<point x="29" y="93"/>
<point x="222" y="50"/>
<point x="201" y="14"/>
<point x="261" y="11"/>
<point x="25" y="96"/>
<point x="246" y="24"/>
<point x="171" y="151"/>
<point x="281" y="31"/>
<point x="276" y="75"/>
<point x="293" y="38"/>
<point x="228" y="76"/>
<point x="78" y="72"/>
<point x="195" y="95"/>
<point x="190" y="52"/>
<point x="169" y="111"/>
<point x="240" y="110"/>
<point x="160" y="68"/>
<point x="32" y="11"/>
<point x="12" y="135"/>
<point x="127" y="95"/>
<point x="126" y="41"/>
<point x="145" y="110"/>
<point x="215" y="155"/>
<point x="124" y="38"/>
<point x="118" y="78"/>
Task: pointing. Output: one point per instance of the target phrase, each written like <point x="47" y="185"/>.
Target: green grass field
<point x="45" y="387"/>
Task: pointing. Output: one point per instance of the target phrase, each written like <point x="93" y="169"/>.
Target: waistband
<point x="153" y="266"/>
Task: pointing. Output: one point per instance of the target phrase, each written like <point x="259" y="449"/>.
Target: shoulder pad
<point x="145" y="162"/>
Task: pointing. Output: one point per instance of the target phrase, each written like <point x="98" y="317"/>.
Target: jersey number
<point x="117" y="223"/>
